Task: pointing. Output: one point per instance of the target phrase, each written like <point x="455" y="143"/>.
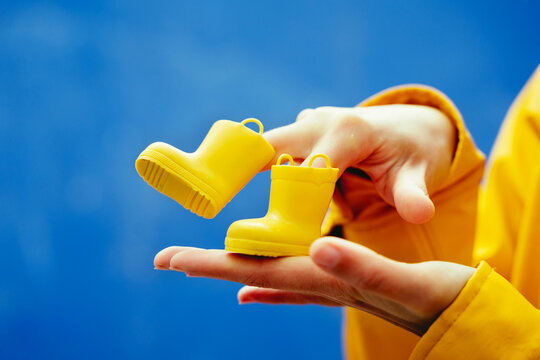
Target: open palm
<point x="336" y="273"/>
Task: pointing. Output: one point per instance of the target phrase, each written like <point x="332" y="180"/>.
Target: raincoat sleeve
<point x="489" y="319"/>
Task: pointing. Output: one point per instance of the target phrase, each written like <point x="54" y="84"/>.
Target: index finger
<point x="294" y="139"/>
<point x="287" y="273"/>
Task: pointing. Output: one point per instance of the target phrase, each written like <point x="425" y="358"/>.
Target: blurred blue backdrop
<point x="85" y="86"/>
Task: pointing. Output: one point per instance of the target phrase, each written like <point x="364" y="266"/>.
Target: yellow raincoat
<point x="494" y="316"/>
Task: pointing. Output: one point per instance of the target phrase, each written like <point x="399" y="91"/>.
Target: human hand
<point x="336" y="273"/>
<point x="406" y="150"/>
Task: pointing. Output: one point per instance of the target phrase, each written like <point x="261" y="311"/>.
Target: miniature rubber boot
<point x="299" y="200"/>
<point x="206" y="180"/>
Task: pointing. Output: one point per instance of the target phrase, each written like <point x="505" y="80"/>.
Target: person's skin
<point x="406" y="150"/>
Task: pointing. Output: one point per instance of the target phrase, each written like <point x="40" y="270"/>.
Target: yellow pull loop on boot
<point x="288" y="157"/>
<point x="299" y="200"/>
<point x="206" y="180"/>
<point x="253" y="120"/>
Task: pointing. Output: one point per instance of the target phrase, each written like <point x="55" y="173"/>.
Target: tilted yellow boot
<point x="299" y="200"/>
<point x="206" y="180"/>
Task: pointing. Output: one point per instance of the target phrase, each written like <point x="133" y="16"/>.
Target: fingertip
<point x="317" y="245"/>
<point x="304" y="114"/>
<point x="325" y="253"/>
<point x="175" y="262"/>
<point x="411" y="197"/>
<point x="243" y="296"/>
<point x="414" y="205"/>
<point x="164" y="259"/>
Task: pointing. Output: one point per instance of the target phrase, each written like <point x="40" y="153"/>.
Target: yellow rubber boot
<point x="299" y="200"/>
<point x="206" y="180"/>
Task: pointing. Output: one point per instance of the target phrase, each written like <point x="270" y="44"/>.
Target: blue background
<point x="85" y="86"/>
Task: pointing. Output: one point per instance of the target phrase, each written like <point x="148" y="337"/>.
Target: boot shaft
<point x="231" y="154"/>
<point x="301" y="194"/>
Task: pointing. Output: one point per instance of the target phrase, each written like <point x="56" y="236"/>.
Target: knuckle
<point x="344" y="292"/>
<point x="321" y="108"/>
<point x="349" y="121"/>
<point x="258" y="279"/>
<point x="371" y="280"/>
<point x="303" y="114"/>
<point x="325" y="111"/>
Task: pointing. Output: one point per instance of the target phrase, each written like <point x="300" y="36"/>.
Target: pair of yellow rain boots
<point x="230" y="155"/>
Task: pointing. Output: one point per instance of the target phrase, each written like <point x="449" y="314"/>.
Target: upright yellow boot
<point x="206" y="180"/>
<point x="299" y="200"/>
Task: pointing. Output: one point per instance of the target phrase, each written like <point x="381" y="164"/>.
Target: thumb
<point x="410" y="295"/>
<point x="363" y="268"/>
<point x="410" y="194"/>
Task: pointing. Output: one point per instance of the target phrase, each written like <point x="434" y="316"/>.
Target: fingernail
<point x="327" y="257"/>
<point x="160" y="268"/>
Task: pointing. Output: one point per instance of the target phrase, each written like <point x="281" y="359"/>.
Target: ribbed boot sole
<point x="175" y="186"/>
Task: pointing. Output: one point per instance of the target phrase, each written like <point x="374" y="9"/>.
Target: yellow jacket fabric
<point x="495" y="316"/>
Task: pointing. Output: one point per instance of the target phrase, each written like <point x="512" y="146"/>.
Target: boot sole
<point x="177" y="182"/>
<point x="264" y="248"/>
